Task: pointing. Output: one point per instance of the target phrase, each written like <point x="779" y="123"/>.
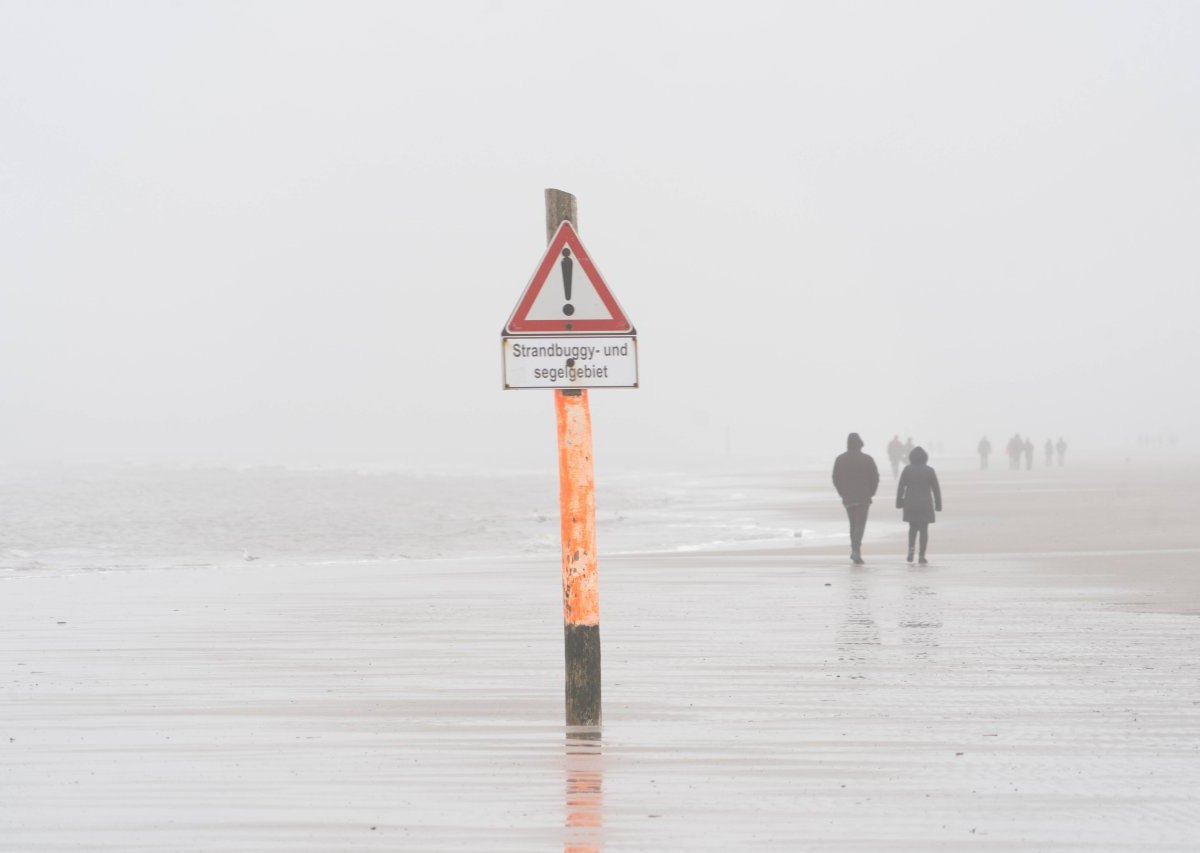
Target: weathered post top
<point x="559" y="206"/>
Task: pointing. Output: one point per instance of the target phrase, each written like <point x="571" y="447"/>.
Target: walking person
<point x="895" y="451"/>
<point x="1049" y="452"/>
<point x="1061" y="447"/>
<point x="985" y="450"/>
<point x="856" y="479"/>
<point x="920" y="496"/>
<point x="1015" y="446"/>
<point x="1028" y="453"/>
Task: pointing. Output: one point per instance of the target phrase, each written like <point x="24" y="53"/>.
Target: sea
<point x="66" y="519"/>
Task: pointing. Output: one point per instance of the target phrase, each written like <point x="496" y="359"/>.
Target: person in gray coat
<point x="920" y="496"/>
<point x="856" y="479"/>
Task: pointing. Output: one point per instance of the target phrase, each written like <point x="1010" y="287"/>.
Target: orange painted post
<point x="577" y="505"/>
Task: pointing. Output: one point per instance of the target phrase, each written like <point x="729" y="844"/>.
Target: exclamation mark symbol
<point x="568" y="266"/>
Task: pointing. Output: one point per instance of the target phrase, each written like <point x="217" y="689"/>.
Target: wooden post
<point x="577" y="505"/>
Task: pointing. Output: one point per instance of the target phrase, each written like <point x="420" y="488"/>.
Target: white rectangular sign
<point x="570" y="361"/>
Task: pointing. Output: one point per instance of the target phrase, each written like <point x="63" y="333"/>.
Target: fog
<point x="285" y="233"/>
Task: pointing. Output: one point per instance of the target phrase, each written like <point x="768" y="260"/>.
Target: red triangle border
<point x="519" y="322"/>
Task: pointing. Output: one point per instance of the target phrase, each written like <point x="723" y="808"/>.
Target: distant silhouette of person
<point x="908" y="448"/>
<point x="895" y="454"/>
<point x="985" y="450"/>
<point x="1015" y="446"/>
<point x="856" y="479"/>
<point x="920" y="496"/>
<point x="1049" y="452"/>
<point x="1061" y="447"/>
<point x="1028" y="454"/>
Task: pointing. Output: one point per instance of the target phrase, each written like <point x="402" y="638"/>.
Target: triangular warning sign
<point x="566" y="294"/>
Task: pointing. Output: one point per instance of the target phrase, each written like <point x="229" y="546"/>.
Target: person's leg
<point x="862" y="527"/>
<point x="852" y="516"/>
<point x="912" y="540"/>
<point x="858" y="521"/>
<point x="924" y="539"/>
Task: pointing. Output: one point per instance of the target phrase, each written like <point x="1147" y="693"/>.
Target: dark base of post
<point x="583" y="674"/>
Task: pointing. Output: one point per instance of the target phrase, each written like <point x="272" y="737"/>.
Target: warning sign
<point x="570" y="361"/>
<point x="566" y="294"/>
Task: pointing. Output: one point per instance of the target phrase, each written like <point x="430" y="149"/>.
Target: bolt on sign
<point x="568" y="330"/>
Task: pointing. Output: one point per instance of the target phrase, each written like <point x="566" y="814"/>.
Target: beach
<point x="286" y="568"/>
<point x="1034" y="688"/>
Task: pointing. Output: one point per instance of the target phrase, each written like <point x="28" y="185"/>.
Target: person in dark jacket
<point x="920" y="496"/>
<point x="856" y="479"/>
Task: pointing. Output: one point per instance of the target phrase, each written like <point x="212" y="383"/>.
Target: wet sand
<point x="1035" y="688"/>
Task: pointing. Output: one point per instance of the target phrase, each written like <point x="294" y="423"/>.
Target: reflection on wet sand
<point x="858" y="634"/>
<point x="859" y="637"/>
<point x="920" y="615"/>
<point x="585" y="791"/>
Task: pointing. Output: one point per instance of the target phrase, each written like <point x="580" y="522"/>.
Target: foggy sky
<point x="291" y="232"/>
